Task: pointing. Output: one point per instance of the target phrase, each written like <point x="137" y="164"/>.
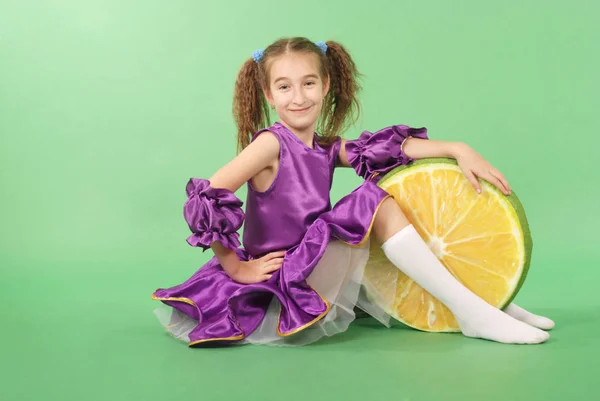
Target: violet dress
<point x="327" y="249"/>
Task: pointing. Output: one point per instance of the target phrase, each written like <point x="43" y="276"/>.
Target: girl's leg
<point x="405" y="248"/>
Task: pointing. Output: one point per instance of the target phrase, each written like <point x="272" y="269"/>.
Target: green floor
<point x="96" y="339"/>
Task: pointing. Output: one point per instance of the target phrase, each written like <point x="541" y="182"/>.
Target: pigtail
<point x="250" y="108"/>
<point x="341" y="108"/>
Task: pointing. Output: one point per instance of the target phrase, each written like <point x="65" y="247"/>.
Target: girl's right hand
<point x="258" y="270"/>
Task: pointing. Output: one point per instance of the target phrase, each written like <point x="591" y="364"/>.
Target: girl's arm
<point x="261" y="153"/>
<point x="470" y="162"/>
<point x="415" y="148"/>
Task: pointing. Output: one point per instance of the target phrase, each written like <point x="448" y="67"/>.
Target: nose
<point x="299" y="97"/>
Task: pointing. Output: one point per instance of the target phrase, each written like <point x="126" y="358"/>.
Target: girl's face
<point x="296" y="89"/>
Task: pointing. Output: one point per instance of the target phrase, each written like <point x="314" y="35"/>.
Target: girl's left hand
<point x="473" y="165"/>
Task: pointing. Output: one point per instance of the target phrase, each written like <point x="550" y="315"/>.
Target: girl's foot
<point x="482" y="320"/>
<point x="525" y="316"/>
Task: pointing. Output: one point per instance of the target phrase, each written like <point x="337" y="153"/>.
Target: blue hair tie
<point x="322" y="46"/>
<point x="257" y="55"/>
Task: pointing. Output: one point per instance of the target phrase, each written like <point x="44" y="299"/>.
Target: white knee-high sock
<point x="476" y="318"/>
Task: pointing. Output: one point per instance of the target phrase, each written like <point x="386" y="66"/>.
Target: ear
<point x="326" y="86"/>
<point x="268" y="96"/>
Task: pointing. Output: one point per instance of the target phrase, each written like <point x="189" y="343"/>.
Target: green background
<point x="107" y="108"/>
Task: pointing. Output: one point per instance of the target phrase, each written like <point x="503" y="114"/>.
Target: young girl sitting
<point x="298" y="276"/>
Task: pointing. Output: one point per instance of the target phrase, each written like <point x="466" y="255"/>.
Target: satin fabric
<point x="295" y="215"/>
<point x="212" y="214"/>
<point x="372" y="155"/>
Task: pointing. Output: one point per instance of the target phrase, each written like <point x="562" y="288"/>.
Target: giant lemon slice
<point x="482" y="239"/>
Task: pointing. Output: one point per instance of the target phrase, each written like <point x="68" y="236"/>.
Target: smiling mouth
<point x="301" y="110"/>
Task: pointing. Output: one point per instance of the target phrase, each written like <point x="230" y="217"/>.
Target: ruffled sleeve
<point x="380" y="152"/>
<point x="213" y="214"/>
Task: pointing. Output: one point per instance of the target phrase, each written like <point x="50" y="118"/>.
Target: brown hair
<point x="340" y="106"/>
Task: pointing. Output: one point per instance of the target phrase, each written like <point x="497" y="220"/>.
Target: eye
<point x="283" y="87"/>
<point x="310" y="83"/>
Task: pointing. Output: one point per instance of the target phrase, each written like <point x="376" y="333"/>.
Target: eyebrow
<point x="304" y="77"/>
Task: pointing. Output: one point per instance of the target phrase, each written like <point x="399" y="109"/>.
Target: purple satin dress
<point x="295" y="215"/>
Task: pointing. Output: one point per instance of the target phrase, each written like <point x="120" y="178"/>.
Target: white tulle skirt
<point x="337" y="277"/>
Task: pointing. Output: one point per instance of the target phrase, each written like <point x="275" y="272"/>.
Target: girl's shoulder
<point x="267" y="137"/>
<point x="272" y="132"/>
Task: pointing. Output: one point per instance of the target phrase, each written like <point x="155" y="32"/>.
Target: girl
<point x="299" y="274"/>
